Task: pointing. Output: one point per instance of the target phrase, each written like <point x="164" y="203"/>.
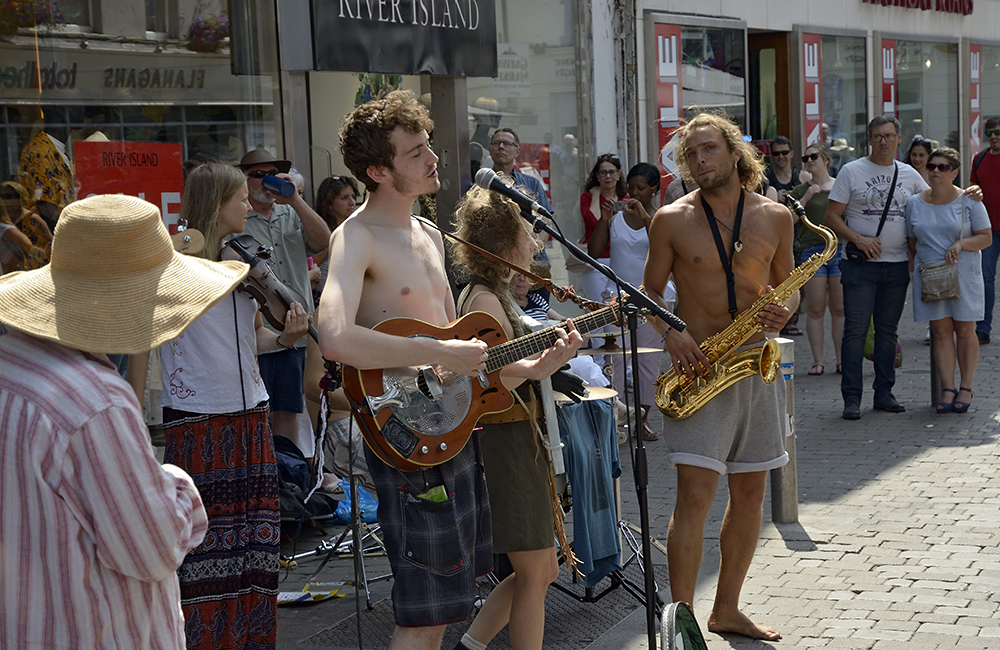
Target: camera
<point x="618" y="206"/>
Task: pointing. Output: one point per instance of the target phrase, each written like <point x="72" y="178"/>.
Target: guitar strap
<point x="562" y="294"/>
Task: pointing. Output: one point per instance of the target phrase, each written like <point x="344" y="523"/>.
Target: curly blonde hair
<point x="750" y="166"/>
<point x="492" y="222"/>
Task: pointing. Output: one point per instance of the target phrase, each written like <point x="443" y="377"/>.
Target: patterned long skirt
<point x="229" y="584"/>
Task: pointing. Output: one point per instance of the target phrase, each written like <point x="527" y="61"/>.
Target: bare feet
<point x="735" y="622"/>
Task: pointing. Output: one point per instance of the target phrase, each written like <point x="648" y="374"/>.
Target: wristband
<point x="277" y="340"/>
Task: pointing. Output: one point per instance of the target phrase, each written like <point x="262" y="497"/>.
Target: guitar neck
<point x="529" y="344"/>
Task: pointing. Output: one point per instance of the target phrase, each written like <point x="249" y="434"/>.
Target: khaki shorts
<point x="742" y="429"/>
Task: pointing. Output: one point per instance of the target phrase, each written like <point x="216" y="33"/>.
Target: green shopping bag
<point x="870" y="346"/>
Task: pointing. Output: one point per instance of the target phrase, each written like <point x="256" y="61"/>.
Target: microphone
<point x="488" y="180"/>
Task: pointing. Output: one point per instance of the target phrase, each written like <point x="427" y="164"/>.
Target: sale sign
<point x="149" y="170"/>
<point x="812" y="85"/>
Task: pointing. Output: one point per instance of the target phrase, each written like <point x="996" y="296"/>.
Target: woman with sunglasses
<point x="215" y="421"/>
<point x="941" y="225"/>
<point x="918" y="154"/>
<point x="824" y="287"/>
<point x="604" y="186"/>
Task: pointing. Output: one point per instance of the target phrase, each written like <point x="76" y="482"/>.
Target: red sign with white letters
<point x="812" y="88"/>
<point x="149" y="170"/>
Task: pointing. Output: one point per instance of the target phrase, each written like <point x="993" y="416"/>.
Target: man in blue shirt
<point x="504" y="147"/>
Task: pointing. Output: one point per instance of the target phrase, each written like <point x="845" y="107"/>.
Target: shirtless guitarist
<point x="383" y="264"/>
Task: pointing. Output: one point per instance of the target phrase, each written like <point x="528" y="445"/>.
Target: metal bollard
<point x="784" y="480"/>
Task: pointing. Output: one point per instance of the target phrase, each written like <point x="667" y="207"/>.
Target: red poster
<point x="812" y="85"/>
<point x="534" y="160"/>
<point x="148" y="170"/>
<point x="975" y="109"/>
<point x="889" y="77"/>
<point x="669" y="100"/>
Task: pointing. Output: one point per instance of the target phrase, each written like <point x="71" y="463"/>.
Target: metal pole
<point x="784" y="480"/>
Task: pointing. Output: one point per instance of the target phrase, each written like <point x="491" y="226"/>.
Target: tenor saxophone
<point x="678" y="396"/>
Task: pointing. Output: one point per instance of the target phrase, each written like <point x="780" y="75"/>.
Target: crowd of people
<point x="240" y="369"/>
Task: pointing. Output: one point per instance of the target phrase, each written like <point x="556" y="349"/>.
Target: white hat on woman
<point x="114" y="283"/>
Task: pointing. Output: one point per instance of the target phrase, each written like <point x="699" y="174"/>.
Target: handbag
<point x="939" y="281"/>
<point x="852" y="252"/>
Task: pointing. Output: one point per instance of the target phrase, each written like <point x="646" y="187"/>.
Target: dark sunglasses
<point x="261" y="173"/>
<point x="781" y="153"/>
<point x="996" y="132"/>
<point x="608" y="156"/>
<point x="810" y="156"/>
<point x="944" y="167"/>
<point x="9" y="195"/>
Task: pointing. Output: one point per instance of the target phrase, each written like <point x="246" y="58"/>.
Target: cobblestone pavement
<point x="897" y="543"/>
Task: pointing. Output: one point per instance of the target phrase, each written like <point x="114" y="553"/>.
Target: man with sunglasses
<point x="782" y="175"/>
<point x="293" y="231"/>
<point x="986" y="174"/>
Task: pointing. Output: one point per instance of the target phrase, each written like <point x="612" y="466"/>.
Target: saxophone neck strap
<point x="727" y="259"/>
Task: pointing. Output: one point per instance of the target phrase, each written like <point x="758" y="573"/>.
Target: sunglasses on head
<point x="994" y="132"/>
<point x="261" y="173"/>
<point x="944" y="167"/>
<point x="608" y="156"/>
<point x="810" y="156"/>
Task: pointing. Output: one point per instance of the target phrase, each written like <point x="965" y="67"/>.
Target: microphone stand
<point x="634" y="302"/>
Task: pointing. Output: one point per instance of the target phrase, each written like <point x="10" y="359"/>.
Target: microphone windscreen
<point x="484" y="177"/>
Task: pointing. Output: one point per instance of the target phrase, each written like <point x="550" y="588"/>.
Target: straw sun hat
<point x="114" y="283"/>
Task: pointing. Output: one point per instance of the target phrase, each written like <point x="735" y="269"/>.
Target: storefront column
<point x="294" y="125"/>
<point x="449" y="97"/>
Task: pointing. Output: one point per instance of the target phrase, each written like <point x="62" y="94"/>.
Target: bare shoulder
<point x="678" y="212"/>
<point x="430" y="230"/>
<point x="771" y="210"/>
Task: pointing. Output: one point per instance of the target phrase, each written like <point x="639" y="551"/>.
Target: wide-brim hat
<point x="114" y="283"/>
<point x="263" y="157"/>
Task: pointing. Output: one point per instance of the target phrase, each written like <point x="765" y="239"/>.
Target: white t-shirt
<point x="201" y="370"/>
<point x="862" y="186"/>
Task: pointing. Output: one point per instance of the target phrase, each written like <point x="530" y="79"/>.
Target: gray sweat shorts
<point x="742" y="429"/>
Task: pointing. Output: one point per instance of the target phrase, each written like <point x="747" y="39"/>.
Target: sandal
<point x="961" y="407"/>
<point x="813" y="371"/>
<point x="790" y="330"/>
<point x="946" y="407"/>
<point x="648" y="434"/>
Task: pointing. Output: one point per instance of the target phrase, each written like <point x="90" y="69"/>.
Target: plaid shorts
<point x="436" y="549"/>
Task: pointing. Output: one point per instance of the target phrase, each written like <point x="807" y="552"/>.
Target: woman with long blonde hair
<point x="215" y="420"/>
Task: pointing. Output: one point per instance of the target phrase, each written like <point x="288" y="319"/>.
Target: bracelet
<point x="277" y="340"/>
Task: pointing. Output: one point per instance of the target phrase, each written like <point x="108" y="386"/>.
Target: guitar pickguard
<point x="431" y="417"/>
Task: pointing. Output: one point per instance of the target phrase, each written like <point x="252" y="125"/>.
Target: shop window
<point x="713" y="70"/>
<point x="989" y="86"/>
<point x="927" y="86"/>
<point x="844" y="96"/>
<point x="76" y="12"/>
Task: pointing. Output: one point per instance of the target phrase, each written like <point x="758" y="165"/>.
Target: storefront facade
<point x="819" y="71"/>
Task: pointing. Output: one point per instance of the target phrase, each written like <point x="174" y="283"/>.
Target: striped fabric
<point x="92" y="528"/>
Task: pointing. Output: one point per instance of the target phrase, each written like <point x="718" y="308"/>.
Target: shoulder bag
<point x="939" y="281"/>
